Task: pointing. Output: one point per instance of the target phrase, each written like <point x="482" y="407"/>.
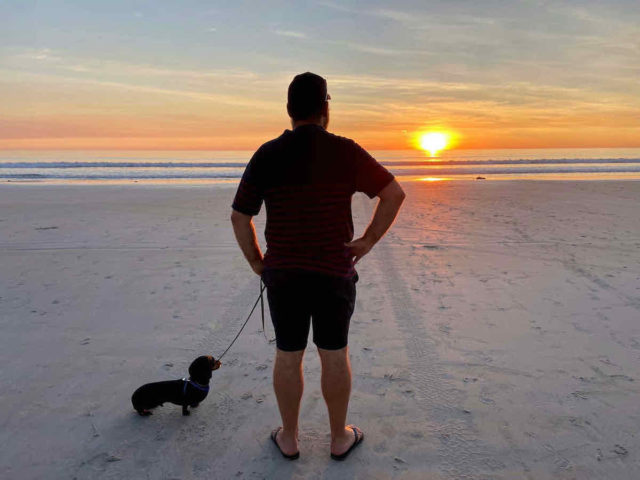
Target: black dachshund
<point x="186" y="392"/>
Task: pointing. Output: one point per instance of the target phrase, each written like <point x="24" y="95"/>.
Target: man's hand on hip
<point x="391" y="197"/>
<point x="359" y="248"/>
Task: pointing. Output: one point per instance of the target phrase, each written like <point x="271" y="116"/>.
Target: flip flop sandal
<point x="274" y="434"/>
<point x="359" y="437"/>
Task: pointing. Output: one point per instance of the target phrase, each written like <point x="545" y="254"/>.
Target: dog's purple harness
<point x="202" y="388"/>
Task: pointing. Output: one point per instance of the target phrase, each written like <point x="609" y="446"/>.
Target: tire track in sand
<point x="462" y="454"/>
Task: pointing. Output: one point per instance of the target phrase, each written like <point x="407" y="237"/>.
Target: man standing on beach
<point x="306" y="177"/>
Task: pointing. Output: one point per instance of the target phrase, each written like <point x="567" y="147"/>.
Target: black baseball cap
<point x="306" y="96"/>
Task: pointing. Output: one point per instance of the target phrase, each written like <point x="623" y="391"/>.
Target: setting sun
<point x="433" y="142"/>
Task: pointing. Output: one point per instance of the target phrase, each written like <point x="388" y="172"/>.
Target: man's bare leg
<point x="336" y="389"/>
<point x="288" y="383"/>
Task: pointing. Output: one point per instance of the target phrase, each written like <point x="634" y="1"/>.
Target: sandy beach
<point x="496" y="336"/>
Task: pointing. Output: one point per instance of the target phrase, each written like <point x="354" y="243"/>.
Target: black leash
<point x="259" y="299"/>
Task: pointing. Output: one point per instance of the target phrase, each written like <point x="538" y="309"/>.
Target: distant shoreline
<point x="226" y="167"/>
<point x="232" y="183"/>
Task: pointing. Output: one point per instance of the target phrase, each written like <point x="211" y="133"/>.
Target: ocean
<point x="220" y="167"/>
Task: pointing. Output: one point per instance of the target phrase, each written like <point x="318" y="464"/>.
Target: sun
<point x="433" y="142"/>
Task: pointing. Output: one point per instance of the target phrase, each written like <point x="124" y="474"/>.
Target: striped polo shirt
<point x="306" y="178"/>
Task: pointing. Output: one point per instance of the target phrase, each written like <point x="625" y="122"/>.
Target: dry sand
<point x="496" y="336"/>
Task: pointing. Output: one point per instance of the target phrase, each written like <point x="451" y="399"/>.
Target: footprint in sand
<point x="606" y="361"/>
<point x="620" y="450"/>
<point x="101" y="458"/>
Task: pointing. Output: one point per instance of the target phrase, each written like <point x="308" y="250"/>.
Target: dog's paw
<point x="186" y="412"/>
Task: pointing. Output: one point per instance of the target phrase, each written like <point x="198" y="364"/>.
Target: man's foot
<point x="343" y="446"/>
<point x="288" y="446"/>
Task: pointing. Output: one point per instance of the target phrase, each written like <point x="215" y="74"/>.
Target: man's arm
<point x="246" y="236"/>
<point x="391" y="198"/>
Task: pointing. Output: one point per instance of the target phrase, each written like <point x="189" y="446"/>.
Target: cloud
<point x="237" y="100"/>
<point x="396" y="15"/>
<point x="290" y="33"/>
<point x="39" y="54"/>
<point x="383" y="50"/>
<point x="337" y="6"/>
<point x="58" y="61"/>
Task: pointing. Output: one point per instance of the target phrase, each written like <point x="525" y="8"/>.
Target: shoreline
<point x="225" y="183"/>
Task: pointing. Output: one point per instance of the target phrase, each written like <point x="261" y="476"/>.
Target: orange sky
<point x="48" y="111"/>
<point x="496" y="78"/>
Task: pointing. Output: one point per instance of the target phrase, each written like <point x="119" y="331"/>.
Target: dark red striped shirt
<point x="306" y="178"/>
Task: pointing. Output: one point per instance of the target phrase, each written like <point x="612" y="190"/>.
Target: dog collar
<point x="202" y="388"/>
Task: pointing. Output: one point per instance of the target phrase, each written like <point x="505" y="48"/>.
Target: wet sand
<point x="496" y="336"/>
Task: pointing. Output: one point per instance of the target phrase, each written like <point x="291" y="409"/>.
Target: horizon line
<point x="72" y="149"/>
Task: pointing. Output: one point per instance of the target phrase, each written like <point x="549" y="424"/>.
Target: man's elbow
<point x="393" y="193"/>
<point x="238" y="218"/>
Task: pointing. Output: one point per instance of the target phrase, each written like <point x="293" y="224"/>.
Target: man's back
<point x="306" y="178"/>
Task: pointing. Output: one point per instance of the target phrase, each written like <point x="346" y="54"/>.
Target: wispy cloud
<point x="233" y="100"/>
<point x="58" y="60"/>
<point x="290" y="33"/>
<point x="39" y="54"/>
<point x="376" y="50"/>
<point x="397" y="15"/>
<point x="336" y="6"/>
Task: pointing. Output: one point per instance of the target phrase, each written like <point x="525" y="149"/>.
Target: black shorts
<point x="297" y="297"/>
